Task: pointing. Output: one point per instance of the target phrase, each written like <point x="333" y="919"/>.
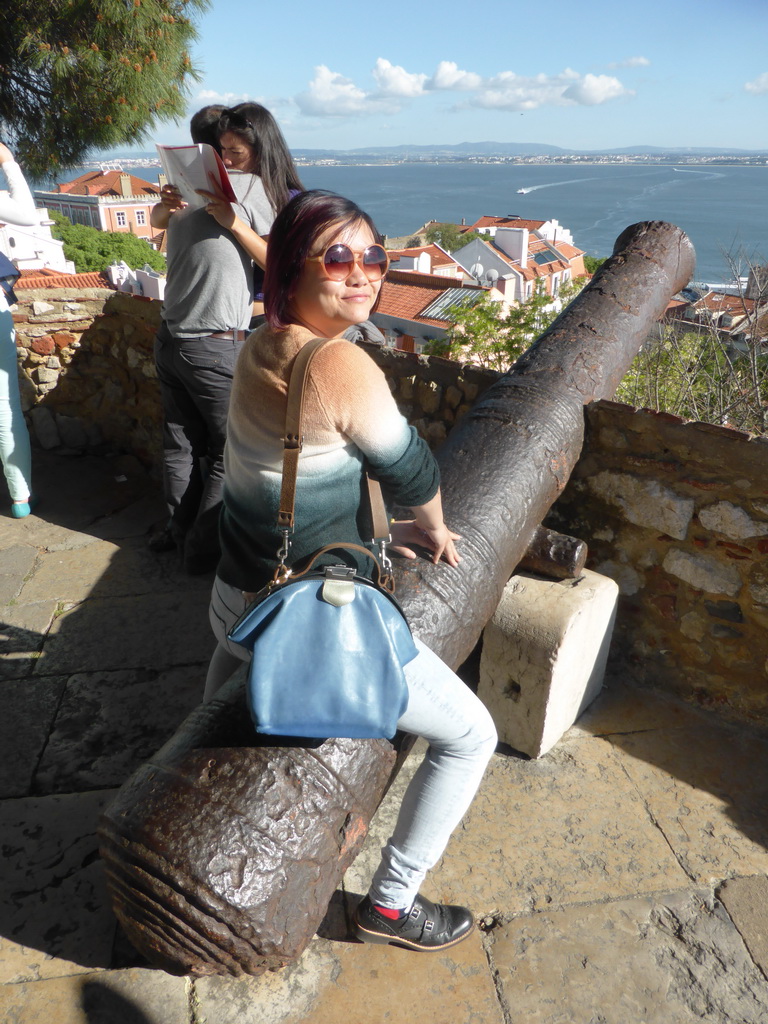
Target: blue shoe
<point x="21" y="509"/>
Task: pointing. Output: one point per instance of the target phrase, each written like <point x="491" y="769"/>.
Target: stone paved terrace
<point x="621" y="879"/>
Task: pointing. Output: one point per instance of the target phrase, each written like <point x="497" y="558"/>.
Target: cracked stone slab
<point x="109" y="997"/>
<point x="625" y="708"/>
<point x="23" y="628"/>
<point x="351" y="981"/>
<point x="746" y="900"/>
<point x="16" y="563"/>
<point x="23" y="734"/>
<point x="150" y="630"/>
<point x="105" y="569"/>
<point x="701" y="784"/>
<point x="69" y="575"/>
<point x="55" y="916"/>
<point x="671" y="959"/>
<point x="110" y="722"/>
<point x="135" y="520"/>
<point x="570" y="826"/>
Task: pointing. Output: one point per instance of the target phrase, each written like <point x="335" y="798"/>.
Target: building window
<point x="79" y="215"/>
<point x="120" y="219"/>
<point x="141" y="218"/>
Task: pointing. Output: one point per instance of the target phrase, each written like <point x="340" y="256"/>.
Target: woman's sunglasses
<point x="338" y="259"/>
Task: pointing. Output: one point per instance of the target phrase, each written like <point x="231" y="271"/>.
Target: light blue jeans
<point x="443" y="710"/>
<point x="15" y="452"/>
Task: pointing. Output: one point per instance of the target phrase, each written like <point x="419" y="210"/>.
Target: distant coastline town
<point x="365" y="159"/>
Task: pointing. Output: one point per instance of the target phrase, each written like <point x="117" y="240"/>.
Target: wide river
<point x="723" y="209"/>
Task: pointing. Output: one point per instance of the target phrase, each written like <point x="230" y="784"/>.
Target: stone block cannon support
<point x="544" y="656"/>
<point x="222" y="856"/>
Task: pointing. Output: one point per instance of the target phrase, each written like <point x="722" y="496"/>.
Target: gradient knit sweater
<point x="350" y="418"/>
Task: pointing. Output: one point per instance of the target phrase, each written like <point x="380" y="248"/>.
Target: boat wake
<point x="552" y="184"/>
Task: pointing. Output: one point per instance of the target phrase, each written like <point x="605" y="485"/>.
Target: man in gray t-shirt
<point x="206" y="312"/>
<point x="209" y="287"/>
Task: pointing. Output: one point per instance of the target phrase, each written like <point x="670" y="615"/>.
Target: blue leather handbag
<point x="328" y="644"/>
<point x="328" y="650"/>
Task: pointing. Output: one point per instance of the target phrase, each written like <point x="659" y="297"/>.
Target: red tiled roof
<point x="721" y="302"/>
<point x="570" y="252"/>
<point x="405" y="293"/>
<point x="47" y="278"/>
<point x="107" y="183"/>
<point x="439" y="257"/>
<point x="505" y="222"/>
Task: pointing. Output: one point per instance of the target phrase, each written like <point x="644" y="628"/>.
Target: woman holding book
<point x="324" y="274"/>
<point x="206" y="315"/>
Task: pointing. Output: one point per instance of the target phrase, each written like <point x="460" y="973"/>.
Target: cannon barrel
<point x="506" y="462"/>
<point x="221" y="854"/>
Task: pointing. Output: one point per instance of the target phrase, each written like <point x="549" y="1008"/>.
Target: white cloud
<point x="227" y="99"/>
<point x="759" y="87"/>
<point x="394" y="80"/>
<point x="631" y="62"/>
<point x="509" y="91"/>
<point x="595" y="89"/>
<point x="330" y="94"/>
<point x="449" y="76"/>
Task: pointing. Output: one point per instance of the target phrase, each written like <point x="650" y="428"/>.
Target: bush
<point x="90" y="249"/>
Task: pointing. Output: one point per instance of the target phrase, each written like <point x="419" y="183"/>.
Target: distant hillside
<point x="463" y="150"/>
<point x="485" y="150"/>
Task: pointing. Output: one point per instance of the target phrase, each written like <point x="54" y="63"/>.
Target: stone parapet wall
<point x="89" y="375"/>
<point x="677" y="514"/>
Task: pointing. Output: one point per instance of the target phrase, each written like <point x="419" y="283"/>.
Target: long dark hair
<point x="294" y="233"/>
<point x="274" y="164"/>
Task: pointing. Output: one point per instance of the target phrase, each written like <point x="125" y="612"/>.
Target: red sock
<point x="389" y="912"/>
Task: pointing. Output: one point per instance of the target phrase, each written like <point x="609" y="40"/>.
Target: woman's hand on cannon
<point x="438" y="540"/>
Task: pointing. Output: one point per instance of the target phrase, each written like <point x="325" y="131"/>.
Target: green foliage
<point x="90" y="249"/>
<point x="701" y="377"/>
<point x="449" y="236"/>
<point x="592" y="263"/>
<point x="482" y="333"/>
<point x="79" y="74"/>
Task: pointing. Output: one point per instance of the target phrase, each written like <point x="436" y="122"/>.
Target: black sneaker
<point x="428" y="926"/>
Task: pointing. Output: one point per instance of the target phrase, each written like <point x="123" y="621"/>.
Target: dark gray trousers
<point x="195" y="378"/>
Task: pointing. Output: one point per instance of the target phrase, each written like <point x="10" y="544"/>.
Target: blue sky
<point x="582" y="75"/>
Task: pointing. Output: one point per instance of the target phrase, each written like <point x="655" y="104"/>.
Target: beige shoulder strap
<point x="293" y="442"/>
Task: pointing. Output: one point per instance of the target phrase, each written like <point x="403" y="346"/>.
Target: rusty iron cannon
<point x="222" y="854"/>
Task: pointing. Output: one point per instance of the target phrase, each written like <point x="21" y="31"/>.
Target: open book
<point x="195" y="167"/>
